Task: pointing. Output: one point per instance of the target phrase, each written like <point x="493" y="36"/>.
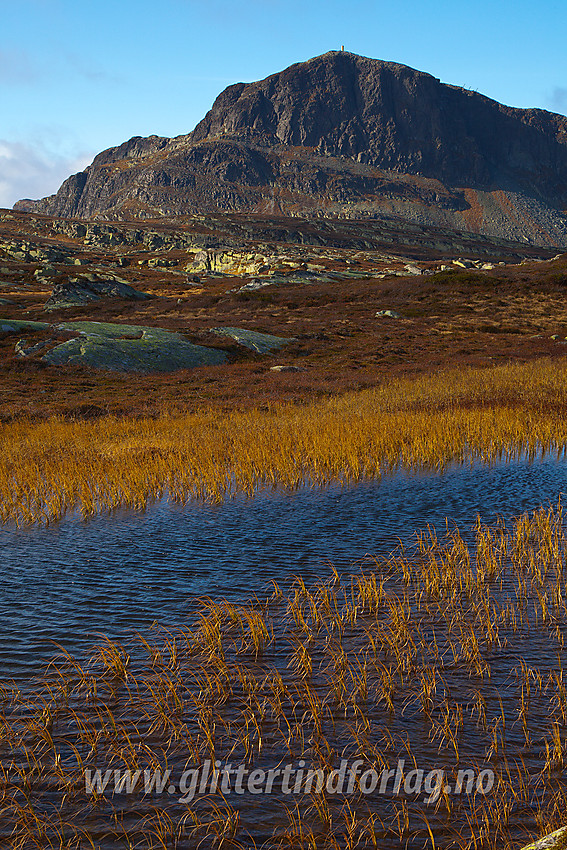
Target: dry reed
<point x="420" y="656"/>
<point x="51" y="468"/>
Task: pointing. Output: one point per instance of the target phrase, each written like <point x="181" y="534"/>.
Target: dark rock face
<point x="393" y="117"/>
<point x="343" y="135"/>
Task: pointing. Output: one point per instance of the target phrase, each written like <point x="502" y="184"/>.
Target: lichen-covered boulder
<point x="387" y="314"/>
<point x="16" y="326"/>
<point x="130" y="348"/>
<point x="254" y="340"/>
<point x="554" y="841"/>
<point x="86" y="288"/>
<point x="227" y="261"/>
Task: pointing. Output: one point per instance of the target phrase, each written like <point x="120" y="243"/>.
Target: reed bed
<point x="440" y="655"/>
<point x="56" y="467"/>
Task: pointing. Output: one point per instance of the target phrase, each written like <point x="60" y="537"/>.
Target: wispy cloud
<point x="89" y="70"/>
<point x="558" y="100"/>
<point x="28" y="171"/>
<point x="17" y="68"/>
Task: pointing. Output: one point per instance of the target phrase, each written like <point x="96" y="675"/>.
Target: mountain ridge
<point x="343" y="136"/>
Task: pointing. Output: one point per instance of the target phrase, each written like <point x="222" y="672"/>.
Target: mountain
<point x="342" y="135"/>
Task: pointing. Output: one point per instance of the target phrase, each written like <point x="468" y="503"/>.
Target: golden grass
<point x="54" y="467"/>
<point x="420" y="656"/>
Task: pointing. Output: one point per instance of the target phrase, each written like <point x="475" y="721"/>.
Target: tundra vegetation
<point x="53" y="467"/>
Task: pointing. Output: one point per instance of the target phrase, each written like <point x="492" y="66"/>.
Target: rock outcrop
<point x="228" y="262"/>
<point x="85" y="288"/>
<point x="120" y="348"/>
<point x="254" y="340"/>
<point x="129" y="348"/>
<point x="344" y="136"/>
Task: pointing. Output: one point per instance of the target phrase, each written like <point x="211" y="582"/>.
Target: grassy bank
<point x="441" y="658"/>
<point x="50" y="468"/>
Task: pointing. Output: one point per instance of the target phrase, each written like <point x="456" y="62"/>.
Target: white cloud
<point x="28" y="171"/>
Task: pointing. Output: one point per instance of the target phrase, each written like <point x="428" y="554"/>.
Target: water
<point x="118" y="574"/>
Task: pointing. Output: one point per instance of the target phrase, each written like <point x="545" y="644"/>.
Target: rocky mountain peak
<point x="315" y="102"/>
<point x="345" y="135"/>
<point x="390" y="116"/>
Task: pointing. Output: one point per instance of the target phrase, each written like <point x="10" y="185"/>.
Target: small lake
<point x="116" y="575"/>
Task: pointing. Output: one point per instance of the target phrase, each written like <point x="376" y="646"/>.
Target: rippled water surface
<point x="117" y="574"/>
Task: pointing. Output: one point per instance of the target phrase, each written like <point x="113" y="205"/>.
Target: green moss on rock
<point x="16" y="326"/>
<point x="254" y="340"/>
<point x="130" y="348"/>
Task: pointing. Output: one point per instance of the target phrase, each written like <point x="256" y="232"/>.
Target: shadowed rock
<point x="84" y="289"/>
<point x="24" y="349"/>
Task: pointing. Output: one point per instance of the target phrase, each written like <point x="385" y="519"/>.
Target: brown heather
<point x="50" y="468"/>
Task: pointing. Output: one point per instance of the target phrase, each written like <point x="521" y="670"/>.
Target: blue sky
<point x="77" y="76"/>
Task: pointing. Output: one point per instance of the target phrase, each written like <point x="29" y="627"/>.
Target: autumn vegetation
<point x="426" y="656"/>
<point x="55" y="467"/>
